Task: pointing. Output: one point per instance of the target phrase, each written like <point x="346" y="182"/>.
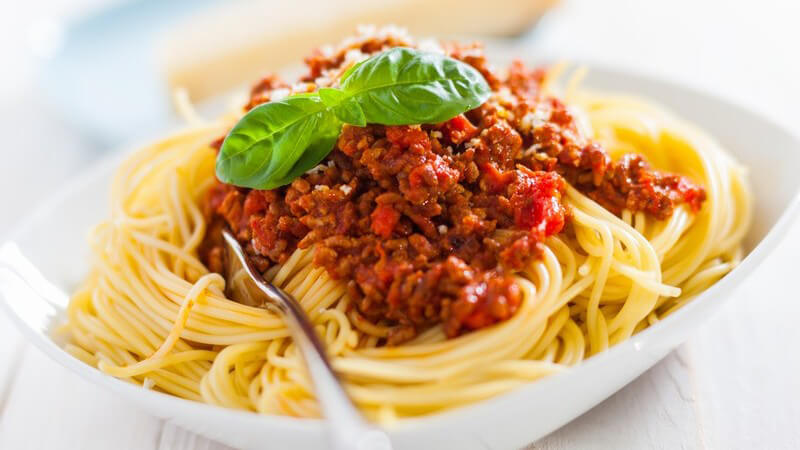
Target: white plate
<point x="53" y="240"/>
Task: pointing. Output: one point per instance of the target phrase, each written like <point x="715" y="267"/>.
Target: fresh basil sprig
<point x="404" y="86"/>
<point x="277" y="142"/>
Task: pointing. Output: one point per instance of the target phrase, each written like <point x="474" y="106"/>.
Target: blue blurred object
<point x="104" y="78"/>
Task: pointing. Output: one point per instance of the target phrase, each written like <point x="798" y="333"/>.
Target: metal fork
<point x="348" y="429"/>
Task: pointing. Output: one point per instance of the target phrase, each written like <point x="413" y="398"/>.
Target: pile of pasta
<point x="151" y="313"/>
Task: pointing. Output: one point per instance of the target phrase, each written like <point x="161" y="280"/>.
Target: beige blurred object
<point x="226" y="46"/>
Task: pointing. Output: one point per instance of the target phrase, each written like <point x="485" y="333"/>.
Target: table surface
<point x="733" y="384"/>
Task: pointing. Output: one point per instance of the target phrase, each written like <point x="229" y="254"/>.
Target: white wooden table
<point x="734" y="384"/>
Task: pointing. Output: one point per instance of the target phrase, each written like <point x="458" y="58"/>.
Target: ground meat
<point x="326" y="61"/>
<point x="632" y="184"/>
<point x="629" y="183"/>
<point x="426" y="224"/>
<point x="261" y="92"/>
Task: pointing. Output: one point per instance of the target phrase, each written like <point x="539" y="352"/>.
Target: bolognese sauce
<point x="427" y="223"/>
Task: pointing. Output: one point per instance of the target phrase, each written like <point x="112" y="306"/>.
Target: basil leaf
<point x="327" y="130"/>
<point x="346" y="109"/>
<point x="276" y="142"/>
<point x="276" y="139"/>
<point x="403" y="86"/>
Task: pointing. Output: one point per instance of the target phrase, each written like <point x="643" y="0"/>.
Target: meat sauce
<point x="426" y="224"/>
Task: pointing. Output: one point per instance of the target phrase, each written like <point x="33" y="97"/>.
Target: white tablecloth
<point x="734" y="384"/>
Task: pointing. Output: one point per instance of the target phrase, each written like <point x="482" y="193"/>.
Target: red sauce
<point x="536" y="199"/>
<point x="408" y="216"/>
<point x="384" y="219"/>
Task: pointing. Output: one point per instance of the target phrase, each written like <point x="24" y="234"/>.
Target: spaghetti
<point x="152" y="313"/>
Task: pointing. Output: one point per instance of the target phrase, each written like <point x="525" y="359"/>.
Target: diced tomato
<point x="692" y="194"/>
<point x="384" y="218"/>
<point x="536" y="199"/>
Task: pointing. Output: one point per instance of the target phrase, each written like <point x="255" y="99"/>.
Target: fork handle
<point x="348" y="429"/>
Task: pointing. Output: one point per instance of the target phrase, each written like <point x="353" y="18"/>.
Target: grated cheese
<point x="278" y="94"/>
<point x="315" y="169"/>
<point x="473" y="142"/>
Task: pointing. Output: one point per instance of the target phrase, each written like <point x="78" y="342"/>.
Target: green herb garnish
<point x="276" y="142"/>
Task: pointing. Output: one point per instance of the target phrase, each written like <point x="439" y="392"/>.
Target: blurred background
<point x="80" y="79"/>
